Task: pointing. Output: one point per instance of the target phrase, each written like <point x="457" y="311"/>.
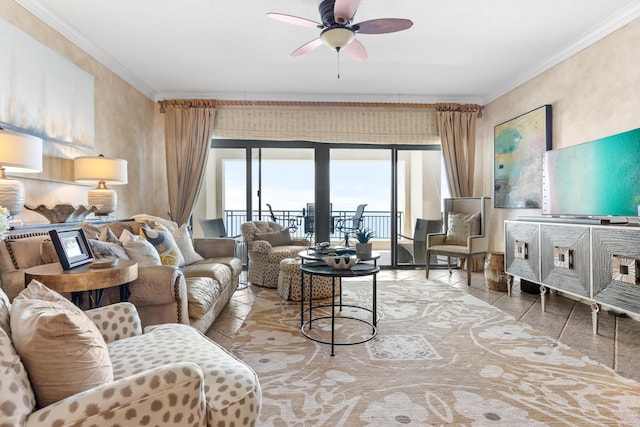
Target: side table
<point x="85" y="279"/>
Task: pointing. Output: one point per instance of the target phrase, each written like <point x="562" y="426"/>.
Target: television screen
<point x="597" y="178"/>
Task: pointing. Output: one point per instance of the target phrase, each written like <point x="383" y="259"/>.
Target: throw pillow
<point x="276" y="238"/>
<point x="16" y="395"/>
<point x="461" y="226"/>
<point x="5" y="309"/>
<point x="48" y="252"/>
<point x="118" y="227"/>
<point x="102" y="250"/>
<point x="91" y="231"/>
<point x="165" y="244"/>
<point x="107" y="235"/>
<point x="183" y="239"/>
<point x="139" y="249"/>
<point x="155" y="220"/>
<point x="26" y="252"/>
<point x="62" y="349"/>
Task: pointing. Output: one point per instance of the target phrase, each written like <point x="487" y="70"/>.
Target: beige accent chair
<point x="465" y="233"/>
<point x="268" y="243"/>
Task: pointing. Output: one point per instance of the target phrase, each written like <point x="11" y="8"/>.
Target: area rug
<point x="440" y="357"/>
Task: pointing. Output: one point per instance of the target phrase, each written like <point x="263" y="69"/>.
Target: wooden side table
<point x="85" y="279"/>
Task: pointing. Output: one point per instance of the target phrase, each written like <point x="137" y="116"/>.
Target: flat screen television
<point x="596" y="178"/>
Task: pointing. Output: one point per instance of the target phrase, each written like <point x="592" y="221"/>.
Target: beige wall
<point x="128" y="125"/>
<point x="595" y="93"/>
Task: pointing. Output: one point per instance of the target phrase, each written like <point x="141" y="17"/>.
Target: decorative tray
<point x="104" y="263"/>
<point x="333" y="250"/>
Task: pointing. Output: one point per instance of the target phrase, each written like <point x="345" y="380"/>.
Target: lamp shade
<point x="102" y="170"/>
<point x="20" y="153"/>
<point x="89" y="170"/>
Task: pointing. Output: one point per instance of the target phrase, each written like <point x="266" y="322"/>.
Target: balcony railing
<point x="378" y="221"/>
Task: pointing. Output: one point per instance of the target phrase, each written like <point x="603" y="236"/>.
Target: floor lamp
<point x="18" y="153"/>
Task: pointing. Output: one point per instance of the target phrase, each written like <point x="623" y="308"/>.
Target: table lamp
<point x="102" y="170"/>
<point x="18" y="153"/>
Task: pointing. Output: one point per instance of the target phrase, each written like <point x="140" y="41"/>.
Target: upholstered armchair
<point x="98" y="368"/>
<point x="268" y="243"/>
<point x="465" y="234"/>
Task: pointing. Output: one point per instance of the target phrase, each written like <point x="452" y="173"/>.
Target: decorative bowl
<point x="340" y="262"/>
<point x="62" y="212"/>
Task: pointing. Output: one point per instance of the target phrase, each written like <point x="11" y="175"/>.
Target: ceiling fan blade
<point x="356" y="51"/>
<point x="343" y="10"/>
<point x="295" y="20"/>
<point x="382" y="26"/>
<point x="307" y="47"/>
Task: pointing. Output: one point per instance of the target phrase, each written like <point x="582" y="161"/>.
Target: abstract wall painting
<point x="42" y="93"/>
<point x="519" y="145"/>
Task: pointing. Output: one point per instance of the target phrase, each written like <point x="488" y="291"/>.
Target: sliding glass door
<point x="362" y="176"/>
<point x="311" y="186"/>
<point x="419" y="197"/>
<point x="283" y="185"/>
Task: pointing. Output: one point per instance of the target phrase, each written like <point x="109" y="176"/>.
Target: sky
<point x="288" y="185"/>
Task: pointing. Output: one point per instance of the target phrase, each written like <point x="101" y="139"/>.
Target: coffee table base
<point x="308" y="325"/>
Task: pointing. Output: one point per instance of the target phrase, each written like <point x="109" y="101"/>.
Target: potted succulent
<point x="363" y="247"/>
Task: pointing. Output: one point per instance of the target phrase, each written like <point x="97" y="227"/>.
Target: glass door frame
<point x="322" y="178"/>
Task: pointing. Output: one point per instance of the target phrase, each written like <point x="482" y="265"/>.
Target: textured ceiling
<point x="457" y="50"/>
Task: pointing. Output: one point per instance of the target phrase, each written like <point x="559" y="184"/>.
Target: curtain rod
<point x="202" y="103"/>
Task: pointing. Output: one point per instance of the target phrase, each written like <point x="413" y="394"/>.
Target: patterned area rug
<point x="440" y="357"/>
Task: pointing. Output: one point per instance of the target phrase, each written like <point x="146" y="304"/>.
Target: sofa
<point x="268" y="243"/>
<point x="60" y="366"/>
<point x="191" y="288"/>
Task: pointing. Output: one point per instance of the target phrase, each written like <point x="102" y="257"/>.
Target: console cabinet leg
<point x="543" y="292"/>
<point x="595" y="313"/>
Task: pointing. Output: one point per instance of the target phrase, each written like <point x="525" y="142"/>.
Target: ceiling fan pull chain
<point x="338" y="53"/>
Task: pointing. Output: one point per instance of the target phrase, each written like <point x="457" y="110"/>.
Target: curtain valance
<point x="374" y="123"/>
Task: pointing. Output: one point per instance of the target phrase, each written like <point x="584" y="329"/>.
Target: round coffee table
<point x="85" y="279"/>
<point x="313" y="267"/>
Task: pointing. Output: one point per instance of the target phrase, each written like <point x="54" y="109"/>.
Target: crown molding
<point x="615" y="23"/>
<point x="72" y="34"/>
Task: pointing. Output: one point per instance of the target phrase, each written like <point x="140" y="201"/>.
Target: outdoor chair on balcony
<point x="309" y="216"/>
<point x="414" y="251"/>
<point x="465" y="233"/>
<point x="291" y="223"/>
<point x="269" y="243"/>
<point x="349" y="226"/>
<point x="215" y="228"/>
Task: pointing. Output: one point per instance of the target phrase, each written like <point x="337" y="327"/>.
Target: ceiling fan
<point x="338" y="32"/>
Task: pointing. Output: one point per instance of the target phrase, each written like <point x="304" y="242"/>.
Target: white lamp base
<point x="105" y="200"/>
<point x="12" y="195"/>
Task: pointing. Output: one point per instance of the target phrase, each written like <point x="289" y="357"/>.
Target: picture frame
<point x="519" y="146"/>
<point x="72" y="247"/>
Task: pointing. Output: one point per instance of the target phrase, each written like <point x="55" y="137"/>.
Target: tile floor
<point x="617" y="344"/>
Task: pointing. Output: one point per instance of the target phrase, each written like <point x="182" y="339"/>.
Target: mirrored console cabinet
<point x="596" y="263"/>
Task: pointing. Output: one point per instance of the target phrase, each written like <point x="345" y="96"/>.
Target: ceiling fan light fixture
<point x="337" y="37"/>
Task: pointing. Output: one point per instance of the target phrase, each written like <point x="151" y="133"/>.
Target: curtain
<point x="188" y="129"/>
<point x="458" y="137"/>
